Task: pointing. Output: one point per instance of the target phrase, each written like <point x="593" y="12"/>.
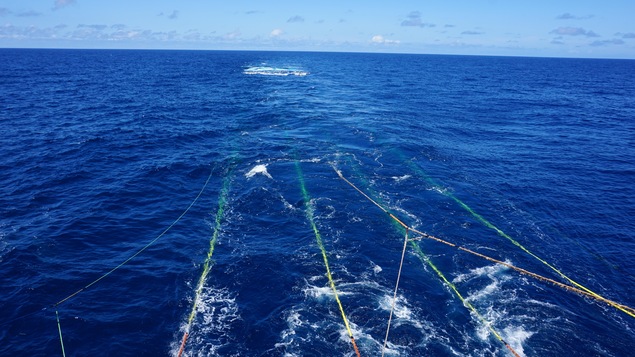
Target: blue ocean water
<point x="102" y="150"/>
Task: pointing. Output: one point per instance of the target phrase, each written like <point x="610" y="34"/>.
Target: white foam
<point x="274" y="71"/>
<point x="489" y="270"/>
<point x="288" y="335"/>
<point x="319" y="293"/>
<point x="490" y="299"/>
<point x="300" y="331"/>
<point x="483" y="293"/>
<point x="216" y="312"/>
<point x="286" y="203"/>
<point x="516" y="336"/>
<point x="366" y="341"/>
<point x="314" y="160"/>
<point x="258" y="169"/>
<point x="412" y="216"/>
<point x="402" y="313"/>
<point x="439" y="189"/>
<point x="401" y="178"/>
<point x="317" y="313"/>
<point x="293" y="322"/>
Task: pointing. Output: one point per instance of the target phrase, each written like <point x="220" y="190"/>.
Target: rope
<point x="626" y="309"/>
<point x="426" y="260"/>
<point x="207" y="266"/>
<point x="59" y="329"/>
<point x="394" y="298"/>
<point x="503" y="234"/>
<point x="140" y="250"/>
<point x="318" y="238"/>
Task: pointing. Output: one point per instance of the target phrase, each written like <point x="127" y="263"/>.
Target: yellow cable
<point x="207" y="266"/>
<point x="318" y="238"/>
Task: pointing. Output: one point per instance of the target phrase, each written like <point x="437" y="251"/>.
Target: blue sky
<point x="557" y="28"/>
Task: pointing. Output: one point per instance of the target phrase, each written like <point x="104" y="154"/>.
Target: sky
<point x="539" y="28"/>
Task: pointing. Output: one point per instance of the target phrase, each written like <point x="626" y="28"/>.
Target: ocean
<point x="148" y="196"/>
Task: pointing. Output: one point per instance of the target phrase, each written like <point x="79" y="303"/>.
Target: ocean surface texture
<point x="224" y="165"/>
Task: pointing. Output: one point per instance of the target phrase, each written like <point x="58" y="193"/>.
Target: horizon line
<point x="313" y="51"/>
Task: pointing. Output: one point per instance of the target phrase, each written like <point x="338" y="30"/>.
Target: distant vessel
<point x="273" y="71"/>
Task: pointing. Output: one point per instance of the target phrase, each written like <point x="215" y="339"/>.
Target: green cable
<point x="59" y="329"/>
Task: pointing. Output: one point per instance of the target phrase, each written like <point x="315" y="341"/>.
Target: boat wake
<point x="275" y="71"/>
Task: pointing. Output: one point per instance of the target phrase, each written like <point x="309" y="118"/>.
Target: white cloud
<point x="234" y="35"/>
<point x="94" y="27"/>
<point x="63" y="3"/>
<point x="193" y="35"/>
<point x="568" y="16"/>
<point x="296" y="18"/>
<point x="616" y="41"/>
<point x="574" y="31"/>
<point x="414" y="19"/>
<point x="379" y="39"/>
<point x="276" y="33"/>
<point x="108" y="34"/>
<point x="30" y="13"/>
